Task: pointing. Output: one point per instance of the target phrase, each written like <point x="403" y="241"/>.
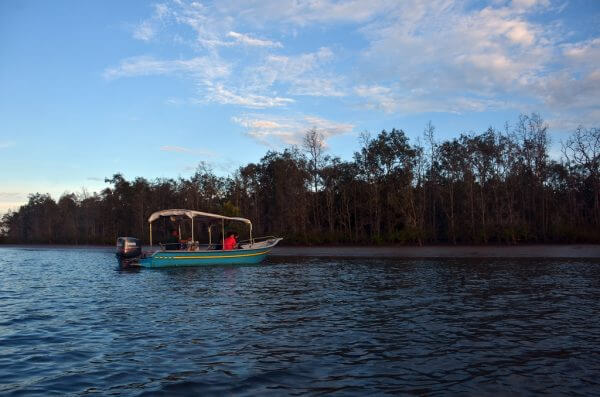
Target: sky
<point x="151" y="89"/>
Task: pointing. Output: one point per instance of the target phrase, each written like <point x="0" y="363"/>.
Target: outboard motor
<point x="129" y="250"/>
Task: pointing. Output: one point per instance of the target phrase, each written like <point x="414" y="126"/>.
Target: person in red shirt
<point x="230" y="241"/>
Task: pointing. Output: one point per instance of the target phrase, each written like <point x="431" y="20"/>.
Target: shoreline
<point x="444" y="251"/>
<point x="433" y="251"/>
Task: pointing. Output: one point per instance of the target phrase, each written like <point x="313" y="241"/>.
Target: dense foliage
<point x="492" y="187"/>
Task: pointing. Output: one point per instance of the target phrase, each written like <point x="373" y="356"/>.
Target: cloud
<point x="563" y="91"/>
<point x="275" y="131"/>
<point x="304" y="13"/>
<point x="220" y="94"/>
<point x="250" y="41"/>
<point x="199" y="67"/>
<point x="566" y="121"/>
<point x="210" y="74"/>
<point x="583" y="54"/>
<point x="302" y="74"/>
<point x="394" y="100"/>
<point x="12" y="197"/>
<point x="441" y="56"/>
<point x="95" y="179"/>
<point x="145" y="31"/>
<point x="378" y="97"/>
<point x="11" y="201"/>
<point x="181" y="149"/>
<point x="575" y="87"/>
<point x="528" y="4"/>
<point x="250" y="84"/>
<point x="408" y="57"/>
<point x="328" y="128"/>
<point x="210" y="29"/>
<point x="6" y="144"/>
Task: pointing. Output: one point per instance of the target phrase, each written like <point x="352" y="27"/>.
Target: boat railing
<point x="196" y="246"/>
<point x="188" y="246"/>
<point x="257" y="239"/>
<point x="260" y="242"/>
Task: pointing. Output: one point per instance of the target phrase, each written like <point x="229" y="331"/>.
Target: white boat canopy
<point x="195" y="214"/>
<point x="204" y="216"/>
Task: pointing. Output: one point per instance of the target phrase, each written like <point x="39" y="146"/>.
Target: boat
<point x="192" y="253"/>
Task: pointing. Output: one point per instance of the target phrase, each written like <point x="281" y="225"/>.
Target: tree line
<point x="479" y="188"/>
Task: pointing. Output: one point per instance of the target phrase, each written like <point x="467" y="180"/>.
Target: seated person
<point x="173" y="243"/>
<point x="230" y="241"/>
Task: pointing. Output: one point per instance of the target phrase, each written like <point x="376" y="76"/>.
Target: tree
<point x="582" y="153"/>
<point x="314" y="145"/>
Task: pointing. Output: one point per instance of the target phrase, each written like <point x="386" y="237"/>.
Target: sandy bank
<point x="522" y="251"/>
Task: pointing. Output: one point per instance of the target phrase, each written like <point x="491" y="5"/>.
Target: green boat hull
<point x="204" y="258"/>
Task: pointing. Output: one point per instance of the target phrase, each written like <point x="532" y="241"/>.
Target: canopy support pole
<point x="150" y="235"/>
<point x="223" y="233"/>
<point x="251" y="240"/>
<point x="192" y="230"/>
<point x="209" y="235"/>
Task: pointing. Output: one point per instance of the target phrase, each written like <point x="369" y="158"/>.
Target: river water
<point x="72" y="323"/>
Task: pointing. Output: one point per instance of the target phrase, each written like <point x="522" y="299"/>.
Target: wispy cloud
<point x="441" y="56"/>
<point x="394" y="99"/>
<point x="145" y="31"/>
<point x="303" y="74"/>
<point x="275" y="131"/>
<point x="251" y="41"/>
<point x="307" y="12"/>
<point x="410" y="56"/>
<point x="95" y="179"/>
<point x="6" y="144"/>
<point x="198" y="67"/>
<point x="568" y="120"/>
<point x="249" y="84"/>
<point x="186" y="150"/>
<point x="220" y="94"/>
<point x="212" y="30"/>
<point x="12" y="196"/>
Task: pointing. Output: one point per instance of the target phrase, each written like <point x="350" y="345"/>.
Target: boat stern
<point x="128" y="250"/>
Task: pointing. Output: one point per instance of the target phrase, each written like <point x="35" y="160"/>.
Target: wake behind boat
<point x="191" y="252"/>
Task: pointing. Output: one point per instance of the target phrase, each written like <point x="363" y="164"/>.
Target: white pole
<point x="192" y="230"/>
<point x="150" y="235"/>
<point x="223" y="233"/>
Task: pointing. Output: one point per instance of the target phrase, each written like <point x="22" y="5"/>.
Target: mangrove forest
<point x="491" y="187"/>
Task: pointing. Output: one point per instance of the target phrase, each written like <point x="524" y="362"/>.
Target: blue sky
<point x="92" y="88"/>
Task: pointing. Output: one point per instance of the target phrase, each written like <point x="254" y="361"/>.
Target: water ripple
<point x="73" y="323"/>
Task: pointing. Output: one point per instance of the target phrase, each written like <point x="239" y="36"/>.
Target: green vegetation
<point x="492" y="187"/>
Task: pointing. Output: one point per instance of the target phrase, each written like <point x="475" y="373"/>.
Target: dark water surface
<point x="72" y="323"/>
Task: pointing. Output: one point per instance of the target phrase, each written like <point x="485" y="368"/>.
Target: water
<point x="72" y="323"/>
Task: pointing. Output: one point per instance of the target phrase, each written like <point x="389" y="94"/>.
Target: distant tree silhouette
<point x="491" y="187"/>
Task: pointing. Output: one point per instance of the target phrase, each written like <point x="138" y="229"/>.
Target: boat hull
<point x="204" y="258"/>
